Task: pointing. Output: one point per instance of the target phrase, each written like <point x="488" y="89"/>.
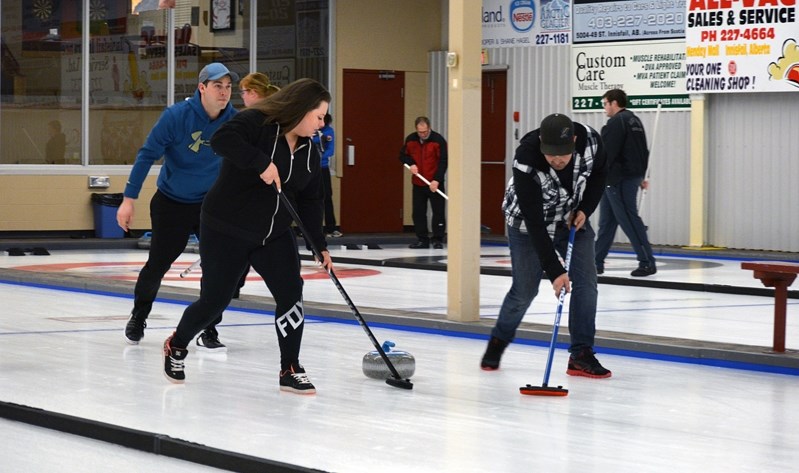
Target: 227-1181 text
<point x="552" y="38"/>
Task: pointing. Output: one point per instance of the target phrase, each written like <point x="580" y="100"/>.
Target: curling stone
<point x="375" y="367"/>
<point x="144" y="241"/>
<point x="193" y="245"/>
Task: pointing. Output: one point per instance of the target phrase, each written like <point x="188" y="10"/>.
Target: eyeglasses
<point x="243" y="91"/>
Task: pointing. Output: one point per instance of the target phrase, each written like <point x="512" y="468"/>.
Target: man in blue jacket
<point x="182" y="137"/>
<point x="326" y="140"/>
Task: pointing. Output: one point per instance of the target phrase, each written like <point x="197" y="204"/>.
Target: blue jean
<point x="619" y="207"/>
<point x="527" y="272"/>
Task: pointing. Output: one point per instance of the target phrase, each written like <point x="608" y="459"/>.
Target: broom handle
<point x="561" y="298"/>
<point x="648" y="167"/>
<point x="427" y="182"/>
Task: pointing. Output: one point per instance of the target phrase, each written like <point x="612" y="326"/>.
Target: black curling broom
<point x="545" y="389"/>
<point x="397" y="381"/>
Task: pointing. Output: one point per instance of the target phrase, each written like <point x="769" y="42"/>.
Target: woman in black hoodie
<point x="264" y="148"/>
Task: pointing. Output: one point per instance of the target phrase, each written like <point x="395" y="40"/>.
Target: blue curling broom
<point x="545" y="389"/>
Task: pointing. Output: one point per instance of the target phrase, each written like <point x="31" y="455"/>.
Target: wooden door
<point x="371" y="138"/>
<point x="492" y="152"/>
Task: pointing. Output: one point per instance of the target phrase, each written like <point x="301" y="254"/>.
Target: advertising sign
<point x="742" y="46"/>
<point x="518" y="23"/>
<point x="597" y="21"/>
<point x="650" y="76"/>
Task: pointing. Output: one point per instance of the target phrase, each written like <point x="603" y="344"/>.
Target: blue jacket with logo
<point x="327" y="143"/>
<point x="182" y="136"/>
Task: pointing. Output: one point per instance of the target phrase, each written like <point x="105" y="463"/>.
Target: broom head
<point x="530" y="390"/>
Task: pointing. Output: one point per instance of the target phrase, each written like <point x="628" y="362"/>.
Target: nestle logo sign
<point x="522" y="15"/>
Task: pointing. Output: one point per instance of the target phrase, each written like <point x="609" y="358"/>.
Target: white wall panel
<point x="754" y="171"/>
<point x="539" y="83"/>
<point x="752" y="159"/>
<point x="665" y="207"/>
<point x="438" y="90"/>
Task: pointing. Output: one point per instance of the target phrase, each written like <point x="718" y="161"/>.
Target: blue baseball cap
<point x="216" y="71"/>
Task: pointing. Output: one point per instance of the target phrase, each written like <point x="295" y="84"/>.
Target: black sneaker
<point x="134" y="330"/>
<point x="584" y="363"/>
<point x="208" y="341"/>
<point x="644" y="270"/>
<point x="173" y="361"/>
<point x="600" y="269"/>
<point x="496" y="347"/>
<point x="296" y="381"/>
<point x="419" y="245"/>
<point x="437" y="245"/>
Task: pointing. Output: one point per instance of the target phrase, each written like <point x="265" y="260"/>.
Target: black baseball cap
<point x="557" y="135"/>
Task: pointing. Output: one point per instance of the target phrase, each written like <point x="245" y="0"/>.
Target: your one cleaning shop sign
<point x="519" y="23"/>
<point x="742" y="46"/>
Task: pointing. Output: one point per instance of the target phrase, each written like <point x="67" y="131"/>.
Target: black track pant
<point x="330" y="214"/>
<point x="173" y="222"/>
<point x="421" y="195"/>
<point x="223" y="260"/>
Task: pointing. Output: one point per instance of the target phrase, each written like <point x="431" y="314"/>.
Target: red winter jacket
<point x="429" y="156"/>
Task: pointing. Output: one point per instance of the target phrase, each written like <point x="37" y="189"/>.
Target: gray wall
<point x="754" y="170"/>
<point x="753" y="154"/>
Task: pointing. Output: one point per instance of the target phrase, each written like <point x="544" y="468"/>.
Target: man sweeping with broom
<point x="558" y="178"/>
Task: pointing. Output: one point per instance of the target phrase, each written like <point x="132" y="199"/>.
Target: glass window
<point x="127" y="77"/>
<point x="293" y="40"/>
<point x="130" y="73"/>
<point x="42" y="80"/>
<point x="40" y="102"/>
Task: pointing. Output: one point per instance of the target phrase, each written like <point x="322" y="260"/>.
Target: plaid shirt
<point x="559" y="198"/>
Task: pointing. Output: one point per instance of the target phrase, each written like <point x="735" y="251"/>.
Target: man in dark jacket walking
<point x="628" y="158"/>
<point x="425" y="151"/>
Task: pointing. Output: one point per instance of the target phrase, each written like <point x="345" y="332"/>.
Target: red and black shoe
<point x="584" y="363"/>
<point x="295" y="380"/>
<point x="173" y="361"/>
<point x="493" y="354"/>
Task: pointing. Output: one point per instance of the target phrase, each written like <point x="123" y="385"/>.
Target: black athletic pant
<point x="421" y="195"/>
<point x="224" y="258"/>
<point x="172" y="224"/>
<point x="330" y="215"/>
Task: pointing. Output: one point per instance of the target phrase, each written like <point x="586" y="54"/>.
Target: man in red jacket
<point x="425" y="151"/>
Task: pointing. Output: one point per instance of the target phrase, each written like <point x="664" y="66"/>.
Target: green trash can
<point x="105" y="215"/>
